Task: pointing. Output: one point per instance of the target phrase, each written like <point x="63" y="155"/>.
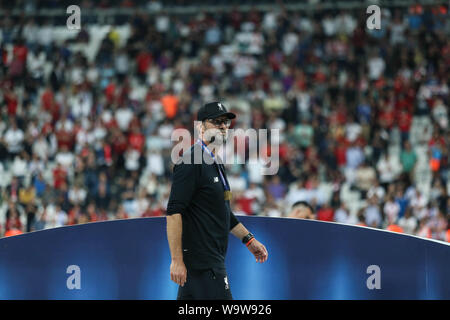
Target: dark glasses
<point x="219" y="122"/>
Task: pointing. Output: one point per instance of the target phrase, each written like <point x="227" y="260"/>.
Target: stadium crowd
<point x="86" y="119"/>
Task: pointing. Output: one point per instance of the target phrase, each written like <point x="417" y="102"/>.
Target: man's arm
<point x="181" y="193"/>
<point x="239" y="231"/>
<point x="178" y="270"/>
<point x="254" y="246"/>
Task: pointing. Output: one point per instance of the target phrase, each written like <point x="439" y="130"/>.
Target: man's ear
<point x="199" y="128"/>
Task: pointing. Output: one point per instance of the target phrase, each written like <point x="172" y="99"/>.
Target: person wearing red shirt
<point x="134" y="122"/>
<point x="153" y="211"/>
<point x="73" y="215"/>
<point x="11" y="102"/>
<point x="107" y="154"/>
<point x="143" y="62"/>
<point x="18" y="63"/>
<point x="20" y="51"/>
<point x="110" y="91"/>
<point x="404" y="121"/>
<point x="13" y="221"/>
<point x="340" y="153"/>
<point x="47" y="99"/>
<point x="119" y="142"/>
<point x="325" y="213"/>
<point x="92" y="212"/>
<point x="136" y="139"/>
<point x="49" y="104"/>
<point x="65" y="139"/>
<point x="59" y="176"/>
<point x="386" y="117"/>
<point x="245" y="204"/>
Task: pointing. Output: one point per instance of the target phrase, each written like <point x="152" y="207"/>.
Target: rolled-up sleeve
<point x="183" y="188"/>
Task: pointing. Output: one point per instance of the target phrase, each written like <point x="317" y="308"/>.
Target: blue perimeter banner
<point x="130" y="259"/>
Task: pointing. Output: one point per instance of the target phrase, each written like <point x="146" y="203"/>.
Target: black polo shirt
<point x="198" y="195"/>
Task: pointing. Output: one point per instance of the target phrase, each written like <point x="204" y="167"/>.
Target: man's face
<point x="216" y="128"/>
<point x="301" y="212"/>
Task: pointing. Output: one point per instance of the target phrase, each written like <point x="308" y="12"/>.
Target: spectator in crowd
<point x="408" y="159"/>
<point x="365" y="178"/>
<point x="302" y="210"/>
<point x="14" y="138"/>
<point x="391" y="210"/>
<point x="325" y="213"/>
<point x="388" y="169"/>
<point x="372" y="213"/>
<point x="408" y="222"/>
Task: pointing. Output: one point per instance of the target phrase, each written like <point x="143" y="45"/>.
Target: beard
<point x="216" y="136"/>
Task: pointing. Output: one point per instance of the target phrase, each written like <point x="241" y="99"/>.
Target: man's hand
<point x="258" y="250"/>
<point x="178" y="272"/>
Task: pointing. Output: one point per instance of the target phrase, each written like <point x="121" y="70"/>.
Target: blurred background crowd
<point x="86" y="116"/>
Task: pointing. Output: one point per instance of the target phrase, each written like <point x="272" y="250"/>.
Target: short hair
<point x="303" y="203"/>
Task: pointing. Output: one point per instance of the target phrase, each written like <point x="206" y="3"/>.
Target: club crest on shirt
<point x="216" y="179"/>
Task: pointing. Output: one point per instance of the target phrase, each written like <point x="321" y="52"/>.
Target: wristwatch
<point x="247" y="238"/>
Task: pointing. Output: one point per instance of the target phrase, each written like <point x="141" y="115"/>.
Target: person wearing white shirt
<point x="14" y="138"/>
<point x="355" y="156"/>
<point x="376" y="66"/>
<point x="388" y="169"/>
<point x="155" y="163"/>
<point x="329" y="25"/>
<point x="35" y="63"/>
<point x="81" y="104"/>
<point x="255" y="167"/>
<point x="61" y="217"/>
<point x="64" y="123"/>
<point x="391" y="209"/>
<point x="342" y="215"/>
<point x="45" y="34"/>
<point x="77" y="195"/>
<point x="132" y="159"/>
<point x="353" y="130"/>
<point x="408" y="222"/>
<point x="345" y="23"/>
<point x="376" y="190"/>
<point x="418" y="204"/>
<point x="142" y="204"/>
<point x="30" y="32"/>
<point x="440" y="114"/>
<point x="65" y="157"/>
<point x="237" y="182"/>
<point x="123" y="117"/>
<point x="373" y="215"/>
<point x="270" y="20"/>
<point x="19" y="166"/>
<point x="297" y="192"/>
<point x="257" y="193"/>
<point x="290" y="42"/>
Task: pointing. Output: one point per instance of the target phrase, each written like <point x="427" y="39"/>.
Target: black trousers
<point x="208" y="284"/>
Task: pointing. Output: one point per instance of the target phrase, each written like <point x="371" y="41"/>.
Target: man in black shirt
<point x="199" y="216"/>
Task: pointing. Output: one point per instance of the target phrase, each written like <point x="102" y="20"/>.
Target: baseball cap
<point x="213" y="110"/>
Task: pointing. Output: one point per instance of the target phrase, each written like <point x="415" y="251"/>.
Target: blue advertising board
<point x="130" y="259"/>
